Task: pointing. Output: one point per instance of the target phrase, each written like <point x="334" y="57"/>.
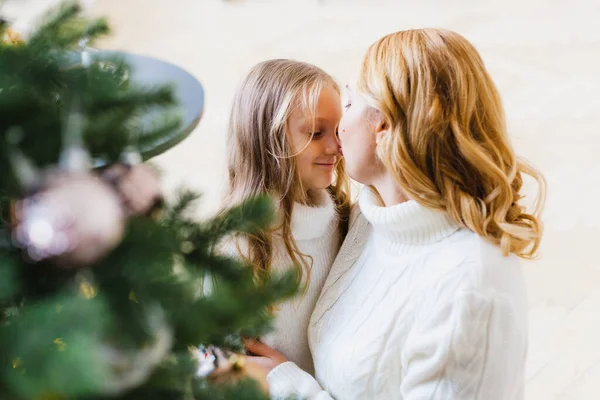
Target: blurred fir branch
<point x="121" y="327"/>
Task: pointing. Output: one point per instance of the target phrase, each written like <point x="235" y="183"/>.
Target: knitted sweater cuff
<point x="288" y="380"/>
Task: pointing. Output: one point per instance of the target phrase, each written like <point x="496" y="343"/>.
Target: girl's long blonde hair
<point x="261" y="159"/>
<point x="448" y="147"/>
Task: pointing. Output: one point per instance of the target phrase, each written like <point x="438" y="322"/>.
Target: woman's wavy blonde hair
<point x="261" y="159"/>
<point x="448" y="147"/>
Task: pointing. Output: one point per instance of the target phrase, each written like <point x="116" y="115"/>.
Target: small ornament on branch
<point x="221" y="366"/>
<point x="70" y="216"/>
<point x="74" y="215"/>
<point x="73" y="219"/>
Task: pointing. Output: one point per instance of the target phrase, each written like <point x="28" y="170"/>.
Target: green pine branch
<point x="80" y="333"/>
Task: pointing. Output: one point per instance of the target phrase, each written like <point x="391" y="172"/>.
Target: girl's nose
<point x="333" y="146"/>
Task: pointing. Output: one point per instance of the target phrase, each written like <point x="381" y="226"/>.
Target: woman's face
<point x="359" y="127"/>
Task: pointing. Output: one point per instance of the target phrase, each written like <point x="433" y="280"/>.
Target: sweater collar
<point x="406" y="223"/>
<point x="311" y="222"/>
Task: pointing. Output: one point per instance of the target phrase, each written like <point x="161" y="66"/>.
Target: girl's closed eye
<point x="316" y="135"/>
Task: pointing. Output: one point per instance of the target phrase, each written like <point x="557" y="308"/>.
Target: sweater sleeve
<point x="287" y="381"/>
<point x="472" y="348"/>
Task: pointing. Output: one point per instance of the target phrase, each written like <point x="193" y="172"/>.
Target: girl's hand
<point x="262" y="355"/>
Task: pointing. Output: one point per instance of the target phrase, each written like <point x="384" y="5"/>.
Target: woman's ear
<point x="382" y="127"/>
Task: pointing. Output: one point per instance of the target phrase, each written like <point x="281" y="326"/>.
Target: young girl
<point x="426" y="299"/>
<point x="283" y="142"/>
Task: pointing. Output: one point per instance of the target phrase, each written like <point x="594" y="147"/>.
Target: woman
<point x="426" y="299"/>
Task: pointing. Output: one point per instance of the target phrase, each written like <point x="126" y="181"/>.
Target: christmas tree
<point x="100" y="281"/>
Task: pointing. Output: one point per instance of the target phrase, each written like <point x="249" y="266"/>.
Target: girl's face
<point x="359" y="128"/>
<point x="317" y="150"/>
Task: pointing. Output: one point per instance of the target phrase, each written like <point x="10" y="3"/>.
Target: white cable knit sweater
<point x="414" y="308"/>
<point x="316" y="232"/>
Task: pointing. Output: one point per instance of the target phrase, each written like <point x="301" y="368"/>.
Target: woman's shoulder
<point x="355" y="214"/>
<point x="478" y="264"/>
<point x="469" y="272"/>
<point x="359" y="225"/>
<point x="359" y="230"/>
